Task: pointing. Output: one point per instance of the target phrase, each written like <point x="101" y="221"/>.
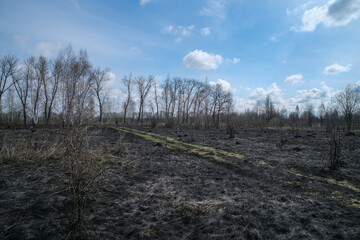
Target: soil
<point x="262" y="184"/>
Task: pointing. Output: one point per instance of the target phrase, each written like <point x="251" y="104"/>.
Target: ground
<point x="192" y="184"/>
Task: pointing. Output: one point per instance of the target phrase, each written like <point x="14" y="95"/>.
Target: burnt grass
<point x="282" y="189"/>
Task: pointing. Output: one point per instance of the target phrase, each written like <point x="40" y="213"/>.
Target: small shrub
<point x="154" y="123"/>
<point x="85" y="169"/>
<point x="231" y="125"/>
<point x="335" y="150"/>
<point x="282" y="138"/>
<point x="191" y="136"/>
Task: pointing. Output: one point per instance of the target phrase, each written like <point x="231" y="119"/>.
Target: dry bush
<point x="231" y="124"/>
<point x="119" y="147"/>
<point x="191" y="136"/>
<point x="282" y="137"/>
<point x="154" y="123"/>
<point x="335" y="151"/>
<point x="85" y="167"/>
<point x="20" y="149"/>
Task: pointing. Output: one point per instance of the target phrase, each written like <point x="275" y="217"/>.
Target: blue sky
<point x="298" y="51"/>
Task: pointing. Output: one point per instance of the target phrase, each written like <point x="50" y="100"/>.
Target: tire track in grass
<point x="349" y="200"/>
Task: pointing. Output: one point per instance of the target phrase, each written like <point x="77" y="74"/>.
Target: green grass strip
<point x="206" y="151"/>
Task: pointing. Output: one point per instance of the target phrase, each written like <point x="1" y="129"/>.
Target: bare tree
<point x="348" y="102"/>
<point x="22" y="80"/>
<point x="100" y="78"/>
<point x="269" y="108"/>
<point x="128" y="82"/>
<point x="321" y="113"/>
<point x="166" y="97"/>
<point x="188" y="100"/>
<point x="76" y="86"/>
<point x="308" y="114"/>
<point x="156" y="100"/>
<point x="84" y="85"/>
<point x="57" y="71"/>
<point x="7" y="67"/>
<point x="42" y="68"/>
<point x="41" y="75"/>
<point x="143" y="86"/>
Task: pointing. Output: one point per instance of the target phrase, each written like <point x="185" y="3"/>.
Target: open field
<point x="188" y="184"/>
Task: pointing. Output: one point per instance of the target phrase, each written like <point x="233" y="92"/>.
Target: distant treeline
<point x="68" y="90"/>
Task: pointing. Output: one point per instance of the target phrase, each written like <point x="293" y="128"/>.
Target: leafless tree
<point x="269" y="108"/>
<point x="321" y="113"/>
<point x="219" y="98"/>
<point x="156" y="98"/>
<point x="143" y="86"/>
<point x="57" y="71"/>
<point x="22" y="80"/>
<point x="189" y="98"/>
<point x="100" y="78"/>
<point x="348" y="102"/>
<point x="84" y="85"/>
<point x="43" y="71"/>
<point x="128" y="82"/>
<point x="76" y="85"/>
<point x="198" y="98"/>
<point x="8" y="65"/>
<point x="308" y="115"/>
<point x="41" y="76"/>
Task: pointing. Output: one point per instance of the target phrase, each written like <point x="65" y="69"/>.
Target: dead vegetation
<point x="102" y="183"/>
<point x="85" y="166"/>
<point x="335" y="154"/>
<point x="17" y="148"/>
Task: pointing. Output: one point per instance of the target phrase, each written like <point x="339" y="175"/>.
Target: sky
<point x="298" y="52"/>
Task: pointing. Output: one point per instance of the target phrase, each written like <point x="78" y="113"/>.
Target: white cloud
<point x="214" y="8"/>
<point x="242" y="104"/>
<point x="205" y="31"/>
<point x="312" y="96"/>
<point x="333" y="13"/>
<point x="198" y="59"/>
<point x="336" y="68"/>
<point x="144" y="2"/>
<point x="47" y="49"/>
<point x="309" y="94"/>
<point x="312" y="18"/>
<point x="294" y="79"/>
<point x="233" y="61"/>
<point x="299" y="9"/>
<point x="258" y="94"/>
<point x="179" y="30"/>
<point x="273" y="91"/>
<point x="226" y="86"/>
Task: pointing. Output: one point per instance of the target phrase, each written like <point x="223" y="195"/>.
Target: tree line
<point x="69" y="90"/>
